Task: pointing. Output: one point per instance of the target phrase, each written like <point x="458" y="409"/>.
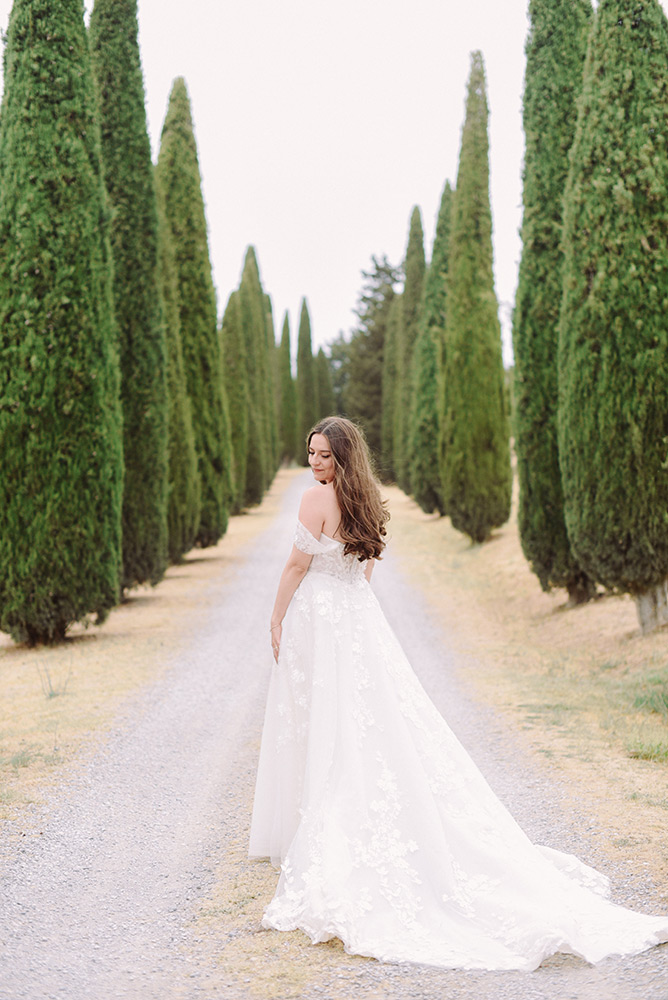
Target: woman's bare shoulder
<point x="318" y="498"/>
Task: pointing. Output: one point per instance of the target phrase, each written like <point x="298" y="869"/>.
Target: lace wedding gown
<point x="388" y="836"/>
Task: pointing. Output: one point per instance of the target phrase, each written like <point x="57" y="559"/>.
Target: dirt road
<point x="131" y="881"/>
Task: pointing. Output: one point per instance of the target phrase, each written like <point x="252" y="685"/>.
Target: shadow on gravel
<point x="219" y="557"/>
<point x="137" y="600"/>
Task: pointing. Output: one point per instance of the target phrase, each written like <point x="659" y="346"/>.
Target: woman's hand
<point x="276" y="631"/>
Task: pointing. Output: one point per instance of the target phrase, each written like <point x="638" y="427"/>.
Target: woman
<point x="387" y="835"/>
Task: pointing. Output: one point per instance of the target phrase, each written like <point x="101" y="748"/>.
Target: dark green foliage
<point x="61" y="486"/>
<point x="555" y="59"/>
<point x="252" y="308"/>
<point x="272" y="397"/>
<point x="179" y="176"/>
<point x="183" y="507"/>
<point x="389" y="387"/>
<point x="362" y="399"/>
<point x="613" y="346"/>
<point x="428" y="360"/>
<point x="476" y="452"/>
<point x="339" y="368"/>
<point x="235" y="379"/>
<point x="306" y="384"/>
<point x="407" y="331"/>
<point x="288" y="411"/>
<point x="325" y="389"/>
<point x="275" y="361"/>
<point x="129" y="179"/>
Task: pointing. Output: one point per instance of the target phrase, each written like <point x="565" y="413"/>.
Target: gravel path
<point x="102" y="892"/>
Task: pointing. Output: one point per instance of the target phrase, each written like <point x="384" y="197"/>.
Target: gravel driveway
<point x="103" y="888"/>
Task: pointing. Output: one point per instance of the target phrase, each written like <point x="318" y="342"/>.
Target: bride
<point x="387" y="835"/>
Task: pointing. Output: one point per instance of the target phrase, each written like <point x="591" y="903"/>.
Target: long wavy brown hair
<point x="363" y="511"/>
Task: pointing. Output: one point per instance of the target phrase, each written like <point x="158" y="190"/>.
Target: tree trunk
<point x="652" y="607"/>
<point x="581" y="588"/>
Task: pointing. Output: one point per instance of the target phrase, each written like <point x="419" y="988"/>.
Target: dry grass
<point x="57" y="700"/>
<point x="584" y="687"/>
<point x="266" y="963"/>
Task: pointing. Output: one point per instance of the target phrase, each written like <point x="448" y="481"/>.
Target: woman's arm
<point x="312" y="516"/>
<point x="292" y="575"/>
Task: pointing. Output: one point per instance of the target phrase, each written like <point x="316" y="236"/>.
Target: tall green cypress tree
<point x="235" y="378"/>
<point x="555" y="51"/>
<point x="276" y="365"/>
<point x="323" y="378"/>
<point x="61" y="486"/>
<point x="183" y="507"/>
<point x="389" y="389"/>
<point x="476" y="436"/>
<point x="179" y="177"/>
<point x="339" y="356"/>
<point x="129" y="179"/>
<point x="425" y="427"/>
<point x="362" y="398"/>
<point x="272" y="388"/>
<point x="288" y="414"/>
<point x="306" y="384"/>
<point x="613" y="340"/>
<point x="407" y="331"/>
<point x="253" y="324"/>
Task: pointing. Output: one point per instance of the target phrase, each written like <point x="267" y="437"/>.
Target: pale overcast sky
<point x="320" y="125"/>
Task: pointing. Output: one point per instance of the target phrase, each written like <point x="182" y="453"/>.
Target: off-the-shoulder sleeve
<point x="306" y="542"/>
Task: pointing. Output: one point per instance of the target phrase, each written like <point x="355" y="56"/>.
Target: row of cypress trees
<point x="590" y="334"/>
<point x="423" y="370"/>
<point x="130" y="424"/>
<point x="306" y="398"/>
<point x="589" y="331"/>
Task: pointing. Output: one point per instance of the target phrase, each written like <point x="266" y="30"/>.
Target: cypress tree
<point x="362" y="398"/>
<point x="316" y="388"/>
<point x="427" y="393"/>
<point x="324" y="382"/>
<point x="253" y="324"/>
<point x="288" y="413"/>
<point x="555" y="52"/>
<point x="306" y="384"/>
<point x="275" y="362"/>
<point x="407" y="331"/>
<point x="235" y="379"/>
<point x="129" y="179"/>
<point x="61" y="486"/>
<point x="476" y="461"/>
<point x="339" y="350"/>
<point x="389" y="386"/>
<point x="613" y="340"/>
<point x="183" y="506"/>
<point x="272" y="387"/>
<point x="179" y="176"/>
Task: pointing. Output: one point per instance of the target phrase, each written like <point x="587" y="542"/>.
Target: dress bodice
<point x="328" y="555"/>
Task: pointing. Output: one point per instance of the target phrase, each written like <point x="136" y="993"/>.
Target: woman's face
<point x="320" y="458"/>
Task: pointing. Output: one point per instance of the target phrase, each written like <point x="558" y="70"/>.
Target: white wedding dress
<point x="388" y="836"/>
